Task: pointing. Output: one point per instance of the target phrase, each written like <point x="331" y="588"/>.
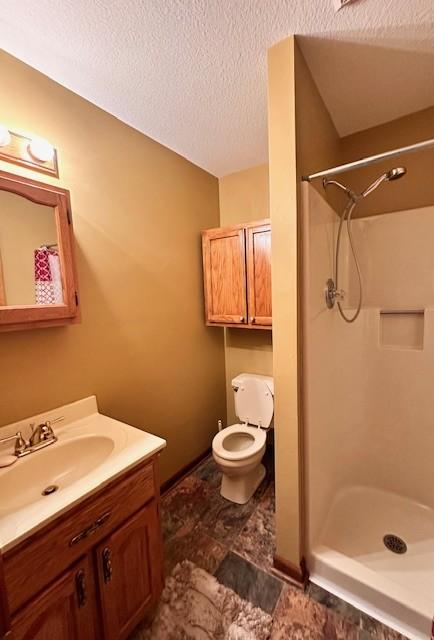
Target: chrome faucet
<point x="42" y="433"/>
<point x="42" y="436"/>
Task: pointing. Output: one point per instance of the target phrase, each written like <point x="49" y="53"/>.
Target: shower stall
<point x="368" y="386"/>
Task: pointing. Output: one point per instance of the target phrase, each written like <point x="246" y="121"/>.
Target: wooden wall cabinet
<point x="95" y="572"/>
<point x="237" y="275"/>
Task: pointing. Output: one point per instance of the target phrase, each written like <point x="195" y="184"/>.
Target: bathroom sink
<point x="53" y="468"/>
<point x="90" y="452"/>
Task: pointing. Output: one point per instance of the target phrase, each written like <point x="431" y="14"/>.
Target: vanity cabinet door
<point x="224" y="265"/>
<point x="259" y="274"/>
<point x="129" y="572"/>
<point x="64" y="611"/>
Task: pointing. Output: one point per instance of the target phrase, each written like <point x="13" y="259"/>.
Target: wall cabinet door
<point x="259" y="274"/>
<point x="128" y="562"/>
<point x="224" y="261"/>
<point x="237" y="274"/>
<point x="64" y="611"/>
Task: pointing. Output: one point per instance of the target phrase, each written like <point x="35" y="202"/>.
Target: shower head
<point x="393" y="174"/>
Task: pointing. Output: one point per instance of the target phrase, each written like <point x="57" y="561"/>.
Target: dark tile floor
<point x="236" y="544"/>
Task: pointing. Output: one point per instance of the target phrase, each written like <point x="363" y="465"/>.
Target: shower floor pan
<point x="352" y="560"/>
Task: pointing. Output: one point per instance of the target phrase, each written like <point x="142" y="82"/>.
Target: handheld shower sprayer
<point x="393" y="174"/>
<point x="332" y="292"/>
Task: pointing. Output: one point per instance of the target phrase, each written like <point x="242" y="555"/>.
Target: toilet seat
<point x="242" y="448"/>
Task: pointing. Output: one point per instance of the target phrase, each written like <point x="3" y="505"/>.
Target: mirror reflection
<point x="29" y="257"/>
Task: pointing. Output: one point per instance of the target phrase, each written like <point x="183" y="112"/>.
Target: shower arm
<point x="349" y="192"/>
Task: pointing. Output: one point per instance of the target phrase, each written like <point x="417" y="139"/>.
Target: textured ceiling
<point x="192" y="73"/>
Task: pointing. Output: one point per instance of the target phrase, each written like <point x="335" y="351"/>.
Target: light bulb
<point x="41" y="150"/>
<point x="5" y="136"/>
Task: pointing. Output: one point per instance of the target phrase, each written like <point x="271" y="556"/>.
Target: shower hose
<point x="346" y="217"/>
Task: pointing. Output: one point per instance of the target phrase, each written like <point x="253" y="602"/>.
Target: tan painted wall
<point x="138" y="209"/>
<point x="414" y="190"/>
<point x="283" y="210"/>
<point x="244" y="196"/>
<point x="301" y="139"/>
<point x="24" y="226"/>
<point x="318" y="143"/>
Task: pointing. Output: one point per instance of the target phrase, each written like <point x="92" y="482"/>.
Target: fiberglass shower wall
<point x="369" y="385"/>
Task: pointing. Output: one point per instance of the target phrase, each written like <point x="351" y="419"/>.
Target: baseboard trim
<point x="184" y="471"/>
<point x="297" y="574"/>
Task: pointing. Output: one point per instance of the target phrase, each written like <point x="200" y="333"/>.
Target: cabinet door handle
<point x="241" y="318"/>
<point x="107" y="566"/>
<point x="90" y="529"/>
<point x="80" y="587"/>
<point x="252" y="319"/>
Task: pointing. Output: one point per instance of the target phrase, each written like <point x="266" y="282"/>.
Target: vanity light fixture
<point x="5" y="136"/>
<point x="32" y="152"/>
<point x="41" y="149"/>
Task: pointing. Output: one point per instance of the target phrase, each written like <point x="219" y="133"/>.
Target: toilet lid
<point x="254" y="402"/>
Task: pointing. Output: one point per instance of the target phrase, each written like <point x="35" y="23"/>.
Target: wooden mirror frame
<point x="34" y="316"/>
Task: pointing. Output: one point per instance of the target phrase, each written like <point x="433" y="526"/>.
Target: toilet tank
<point x="254" y="399"/>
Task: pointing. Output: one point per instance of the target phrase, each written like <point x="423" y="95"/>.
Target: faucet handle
<point x="46" y="430"/>
<point x="54" y="421"/>
<point x="20" y="443"/>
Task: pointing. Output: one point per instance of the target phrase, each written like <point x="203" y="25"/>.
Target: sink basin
<point x="59" y="465"/>
<point x="91" y="451"/>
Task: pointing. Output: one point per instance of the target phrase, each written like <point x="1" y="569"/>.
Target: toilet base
<point x="240" y="488"/>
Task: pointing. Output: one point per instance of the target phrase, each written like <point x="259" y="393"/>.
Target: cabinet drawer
<point x="34" y="564"/>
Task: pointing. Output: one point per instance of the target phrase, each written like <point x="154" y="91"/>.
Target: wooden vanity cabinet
<point x="63" y="611"/>
<point x="128" y="571"/>
<point x="237" y="275"/>
<point x="94" y="572"/>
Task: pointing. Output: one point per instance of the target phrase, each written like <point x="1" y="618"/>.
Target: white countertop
<point x="91" y="451"/>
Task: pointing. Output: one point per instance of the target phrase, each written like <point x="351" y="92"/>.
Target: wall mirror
<point x="38" y="285"/>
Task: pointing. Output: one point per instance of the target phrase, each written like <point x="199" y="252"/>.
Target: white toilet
<point x="238" y="449"/>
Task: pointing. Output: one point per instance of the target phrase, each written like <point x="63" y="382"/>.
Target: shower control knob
<point x="340" y="294"/>
<point x="332" y="294"/>
<point x="329" y="293"/>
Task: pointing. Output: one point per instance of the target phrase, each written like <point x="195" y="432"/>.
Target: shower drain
<point x="394" y="543"/>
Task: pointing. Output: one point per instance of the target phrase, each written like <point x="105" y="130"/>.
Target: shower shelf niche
<point x="402" y="328"/>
